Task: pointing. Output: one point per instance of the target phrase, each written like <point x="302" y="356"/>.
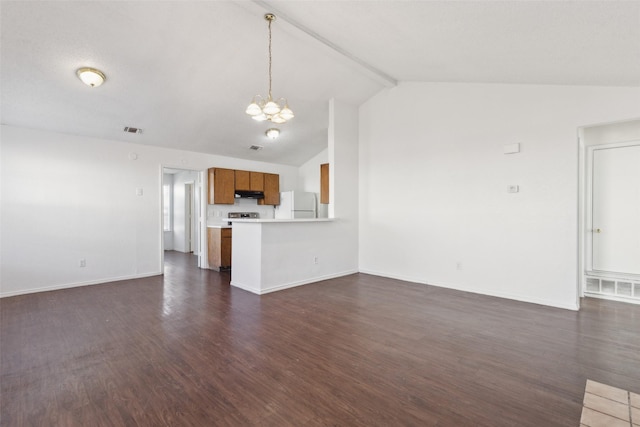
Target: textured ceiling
<point x="184" y="71"/>
<point x="531" y="42"/>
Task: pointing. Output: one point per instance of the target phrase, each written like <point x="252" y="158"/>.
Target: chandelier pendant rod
<point x="270" y="19"/>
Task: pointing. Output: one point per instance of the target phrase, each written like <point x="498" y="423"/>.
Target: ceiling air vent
<point x="129" y="129"/>
<point x="256" y="147"/>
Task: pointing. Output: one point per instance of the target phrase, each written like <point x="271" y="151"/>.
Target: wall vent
<point x="130" y="129"/>
<point x="256" y="147"/>
<point x="624" y="288"/>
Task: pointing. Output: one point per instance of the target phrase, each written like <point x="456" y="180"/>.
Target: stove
<point x="248" y="215"/>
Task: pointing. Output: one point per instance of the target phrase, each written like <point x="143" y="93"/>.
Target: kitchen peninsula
<point x="275" y="254"/>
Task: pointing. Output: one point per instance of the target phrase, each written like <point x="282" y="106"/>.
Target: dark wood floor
<point x="187" y="349"/>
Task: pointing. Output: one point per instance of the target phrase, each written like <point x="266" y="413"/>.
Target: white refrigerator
<point x="296" y="204"/>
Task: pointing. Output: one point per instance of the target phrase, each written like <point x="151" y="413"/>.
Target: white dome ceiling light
<point x="91" y="76"/>
<point x="272" y="133"/>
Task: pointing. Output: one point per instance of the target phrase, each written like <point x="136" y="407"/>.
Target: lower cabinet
<point x="219" y="245"/>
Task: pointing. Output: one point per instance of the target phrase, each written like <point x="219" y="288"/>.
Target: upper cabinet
<point x="257" y="181"/>
<point x="271" y="190"/>
<point x="243" y="181"/>
<point x="249" y="181"/>
<point x="221" y="186"/>
<point x="324" y="183"/>
<point x="224" y="182"/>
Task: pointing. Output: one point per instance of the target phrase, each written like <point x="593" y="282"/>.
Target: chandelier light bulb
<point x="271" y="108"/>
<point x="253" y="109"/>
<point x="286" y="113"/>
<point x="277" y="118"/>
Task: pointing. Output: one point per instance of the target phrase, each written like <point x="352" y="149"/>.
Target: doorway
<point x="182" y="212"/>
<point x="611" y="214"/>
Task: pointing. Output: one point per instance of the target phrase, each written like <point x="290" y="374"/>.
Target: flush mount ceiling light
<point x="272" y="133"/>
<point x="262" y="109"/>
<point x="91" y="76"/>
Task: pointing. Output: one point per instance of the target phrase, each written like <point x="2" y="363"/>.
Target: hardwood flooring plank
<point x="187" y="349"/>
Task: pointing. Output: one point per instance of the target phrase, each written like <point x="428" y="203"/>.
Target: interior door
<point x="616" y="209"/>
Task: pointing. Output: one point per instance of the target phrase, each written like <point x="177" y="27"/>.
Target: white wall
<point x="612" y="133"/>
<point x="433" y="179"/>
<point x="309" y="172"/>
<point x="343" y="175"/>
<point x="70" y="198"/>
<point x="309" y="179"/>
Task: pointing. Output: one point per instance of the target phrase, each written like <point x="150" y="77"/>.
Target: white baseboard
<point x="245" y="287"/>
<point x="291" y="284"/>
<point x="573" y="307"/>
<point x="611" y="297"/>
<point x="76" y="285"/>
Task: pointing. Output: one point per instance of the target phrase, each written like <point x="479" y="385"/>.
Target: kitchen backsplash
<point x="218" y="213"/>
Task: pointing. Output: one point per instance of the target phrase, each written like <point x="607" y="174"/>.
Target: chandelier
<point x="261" y="109"/>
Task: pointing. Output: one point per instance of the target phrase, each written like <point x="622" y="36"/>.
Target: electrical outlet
<point x="315" y="260"/>
<point x="458" y="265"/>
<point x="83" y="262"/>
<point x="513" y="188"/>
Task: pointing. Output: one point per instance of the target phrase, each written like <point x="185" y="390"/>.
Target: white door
<point x="616" y="209"/>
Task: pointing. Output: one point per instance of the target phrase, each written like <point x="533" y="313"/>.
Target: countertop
<point x="271" y="220"/>
<point x="225" y="225"/>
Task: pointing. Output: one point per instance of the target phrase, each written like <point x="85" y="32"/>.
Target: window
<point x="166" y="210"/>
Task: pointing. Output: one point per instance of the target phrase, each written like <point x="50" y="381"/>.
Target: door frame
<point x="627" y="133"/>
<point x="200" y="217"/>
<point x="588" y="226"/>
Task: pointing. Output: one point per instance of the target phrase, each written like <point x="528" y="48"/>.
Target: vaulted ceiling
<point x="184" y="71"/>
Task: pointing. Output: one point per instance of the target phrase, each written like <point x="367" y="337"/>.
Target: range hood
<point x="246" y="194"/>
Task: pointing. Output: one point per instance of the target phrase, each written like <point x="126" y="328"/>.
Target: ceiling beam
<point x="373" y="72"/>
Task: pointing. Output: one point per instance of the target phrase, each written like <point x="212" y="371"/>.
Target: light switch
<point x="513" y="188"/>
<point x="138" y="191"/>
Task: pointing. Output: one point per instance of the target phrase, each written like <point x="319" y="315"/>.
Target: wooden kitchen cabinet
<point x="271" y="190"/>
<point x="324" y="183"/>
<point x="256" y="181"/>
<point x="249" y="181"/>
<point x="219" y="248"/>
<point x="243" y="180"/>
<point x="221" y="186"/>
